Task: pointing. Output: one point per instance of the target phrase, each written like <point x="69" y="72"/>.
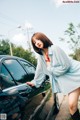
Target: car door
<point x="19" y="71"/>
<point x="31" y="72"/>
<point x="13" y="72"/>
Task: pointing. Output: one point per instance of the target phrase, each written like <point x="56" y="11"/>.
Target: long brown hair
<point x="40" y="36"/>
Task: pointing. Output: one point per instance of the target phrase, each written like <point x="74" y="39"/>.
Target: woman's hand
<point x="30" y="84"/>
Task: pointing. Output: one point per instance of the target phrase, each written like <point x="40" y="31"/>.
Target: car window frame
<point x="21" y="60"/>
<point x="17" y="59"/>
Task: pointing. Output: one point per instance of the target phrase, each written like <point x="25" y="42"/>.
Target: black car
<point x="14" y="92"/>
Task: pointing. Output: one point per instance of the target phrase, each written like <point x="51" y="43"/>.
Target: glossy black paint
<point x="14" y="73"/>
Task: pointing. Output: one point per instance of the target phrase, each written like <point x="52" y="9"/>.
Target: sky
<point x="19" y="19"/>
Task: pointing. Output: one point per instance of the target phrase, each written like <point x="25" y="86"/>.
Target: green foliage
<point x="26" y="54"/>
<point x="4" y="47"/>
<point x="17" y="51"/>
<point x="73" y="39"/>
<point x="73" y="36"/>
<point x="71" y="29"/>
<point x="76" y="56"/>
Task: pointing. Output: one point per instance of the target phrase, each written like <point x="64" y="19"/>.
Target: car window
<point x="5" y="72"/>
<point x="15" y="69"/>
<point x="29" y="68"/>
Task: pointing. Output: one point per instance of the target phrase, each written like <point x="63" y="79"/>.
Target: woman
<point x="64" y="73"/>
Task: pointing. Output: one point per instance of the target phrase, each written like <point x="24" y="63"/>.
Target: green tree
<point x="73" y="36"/>
<point x="26" y="54"/>
<point x="17" y="51"/>
<point x="30" y="57"/>
<point x="77" y="54"/>
<point x="73" y="39"/>
<point x="4" y="47"/>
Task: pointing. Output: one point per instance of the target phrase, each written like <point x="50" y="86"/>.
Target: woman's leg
<point x="73" y="104"/>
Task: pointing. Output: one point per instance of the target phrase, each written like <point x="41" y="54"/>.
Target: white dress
<point x="64" y="72"/>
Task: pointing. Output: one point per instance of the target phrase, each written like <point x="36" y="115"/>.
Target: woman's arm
<point x="39" y="75"/>
<point x="62" y="62"/>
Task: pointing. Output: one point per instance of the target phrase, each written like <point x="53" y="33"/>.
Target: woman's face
<point x="38" y="43"/>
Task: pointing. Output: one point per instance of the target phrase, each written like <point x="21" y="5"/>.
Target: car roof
<point x="2" y="57"/>
<point x="14" y="57"/>
<point x="8" y="56"/>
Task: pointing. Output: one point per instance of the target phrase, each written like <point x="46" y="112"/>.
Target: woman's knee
<point x="73" y="105"/>
<point x="73" y="99"/>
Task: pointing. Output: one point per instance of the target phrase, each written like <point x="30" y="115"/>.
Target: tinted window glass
<point x="5" y="72"/>
<point x="6" y="79"/>
<point x="28" y="67"/>
<point x="15" y="69"/>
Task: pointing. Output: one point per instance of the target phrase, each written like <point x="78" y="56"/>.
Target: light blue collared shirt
<point x="64" y="73"/>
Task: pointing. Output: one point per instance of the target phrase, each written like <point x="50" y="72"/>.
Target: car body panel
<point x="14" y="73"/>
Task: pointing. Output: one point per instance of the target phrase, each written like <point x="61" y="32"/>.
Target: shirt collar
<point x="50" y="52"/>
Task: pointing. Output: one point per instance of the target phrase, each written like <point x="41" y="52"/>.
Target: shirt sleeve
<point x="39" y="75"/>
<point x="62" y="62"/>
